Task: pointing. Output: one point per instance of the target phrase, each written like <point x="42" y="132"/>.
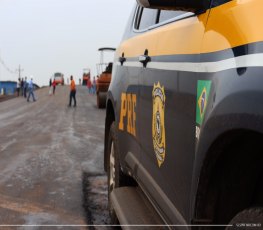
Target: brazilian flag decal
<point x="203" y="91"/>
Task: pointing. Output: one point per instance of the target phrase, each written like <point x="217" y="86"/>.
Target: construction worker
<point x="72" y="92"/>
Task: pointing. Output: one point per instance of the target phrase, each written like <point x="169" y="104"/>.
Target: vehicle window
<point x="168" y="14"/>
<point x="148" y="18"/>
<point x="219" y="2"/>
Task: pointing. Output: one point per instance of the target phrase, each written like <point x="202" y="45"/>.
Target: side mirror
<point x="187" y="5"/>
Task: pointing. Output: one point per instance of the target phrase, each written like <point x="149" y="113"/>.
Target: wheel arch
<point x="218" y="196"/>
<point x="232" y="121"/>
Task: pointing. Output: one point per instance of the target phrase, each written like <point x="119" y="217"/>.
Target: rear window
<point x="168" y="14"/>
<point x="146" y="18"/>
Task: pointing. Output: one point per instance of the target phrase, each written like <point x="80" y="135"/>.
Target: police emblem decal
<point x="158" y="126"/>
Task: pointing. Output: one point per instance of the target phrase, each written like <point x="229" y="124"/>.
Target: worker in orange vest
<point x="72" y="92"/>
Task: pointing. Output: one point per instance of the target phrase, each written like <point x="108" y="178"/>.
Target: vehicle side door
<point x="168" y="87"/>
<point x="128" y="70"/>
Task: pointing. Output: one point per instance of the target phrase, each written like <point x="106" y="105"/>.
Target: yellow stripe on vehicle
<point x="233" y="24"/>
<point x="192" y="35"/>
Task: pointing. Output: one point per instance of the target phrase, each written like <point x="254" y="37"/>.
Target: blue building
<point x="8" y="87"/>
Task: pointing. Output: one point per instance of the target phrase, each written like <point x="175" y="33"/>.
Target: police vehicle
<point x="184" y="116"/>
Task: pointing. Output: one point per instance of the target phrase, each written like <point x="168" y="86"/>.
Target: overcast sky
<point x="47" y="36"/>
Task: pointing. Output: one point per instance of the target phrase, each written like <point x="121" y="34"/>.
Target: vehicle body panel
<point x="209" y="64"/>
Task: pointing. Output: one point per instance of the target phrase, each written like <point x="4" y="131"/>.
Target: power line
<point x="6" y="67"/>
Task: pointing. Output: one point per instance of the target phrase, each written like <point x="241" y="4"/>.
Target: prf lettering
<point x="128" y="104"/>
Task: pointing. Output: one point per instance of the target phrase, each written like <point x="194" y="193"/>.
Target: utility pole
<point x="19" y="71"/>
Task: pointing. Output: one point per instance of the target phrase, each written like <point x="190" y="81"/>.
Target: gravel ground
<point x="51" y="168"/>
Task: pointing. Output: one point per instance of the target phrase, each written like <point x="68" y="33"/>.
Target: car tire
<point x="247" y="218"/>
<point x="101" y="100"/>
<point x="115" y="176"/>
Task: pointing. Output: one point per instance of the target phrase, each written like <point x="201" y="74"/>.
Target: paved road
<point x="51" y="167"/>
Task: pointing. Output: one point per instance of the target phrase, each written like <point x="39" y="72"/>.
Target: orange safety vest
<point x="72" y="85"/>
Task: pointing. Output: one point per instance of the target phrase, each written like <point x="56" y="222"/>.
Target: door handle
<point x="144" y="59"/>
<point x="122" y="59"/>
